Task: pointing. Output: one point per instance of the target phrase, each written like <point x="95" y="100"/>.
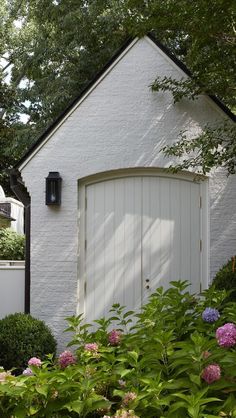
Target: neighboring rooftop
<point x="5" y="215"/>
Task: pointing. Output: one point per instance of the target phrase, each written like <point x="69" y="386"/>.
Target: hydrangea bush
<point x="174" y="359"/>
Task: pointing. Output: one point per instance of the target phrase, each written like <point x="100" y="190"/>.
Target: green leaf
<point x="93" y="404"/>
<point x="75" y="406"/>
<point x="20" y="411"/>
<point x="119" y="393"/>
<point x="42" y="389"/>
<point x="134" y="355"/>
<point x="128" y="314"/>
<point x="125" y="372"/>
<point x="33" y="410"/>
<point x="195" y="379"/>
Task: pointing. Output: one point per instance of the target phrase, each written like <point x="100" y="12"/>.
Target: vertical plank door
<point x="141" y="233"/>
<point x="113" y="254"/>
<point x="170" y="233"/>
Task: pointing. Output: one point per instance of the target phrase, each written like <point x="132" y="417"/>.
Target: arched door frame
<point x="140" y="172"/>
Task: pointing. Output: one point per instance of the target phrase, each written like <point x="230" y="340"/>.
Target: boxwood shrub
<point x="225" y="279"/>
<point x="23" y="337"/>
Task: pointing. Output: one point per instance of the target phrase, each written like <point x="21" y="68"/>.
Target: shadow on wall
<point x="139" y="229"/>
<point x="222" y="219"/>
<point x="159" y="131"/>
<point x="171" y="230"/>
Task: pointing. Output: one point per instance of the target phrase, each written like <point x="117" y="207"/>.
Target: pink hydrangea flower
<point x="3" y="376"/>
<point x="114" y="337"/>
<point x="34" y="361"/>
<point x="211" y="373"/>
<point x="92" y="347"/>
<point x="66" y="359"/>
<point x="27" y="372"/>
<point x="129" y="397"/>
<point x="226" y="335"/>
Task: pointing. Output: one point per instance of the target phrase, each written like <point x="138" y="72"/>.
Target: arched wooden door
<point x="140" y="232"/>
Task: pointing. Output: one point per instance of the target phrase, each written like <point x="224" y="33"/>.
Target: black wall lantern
<point x="53" y="188"/>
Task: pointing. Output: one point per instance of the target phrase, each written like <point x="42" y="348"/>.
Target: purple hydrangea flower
<point x="226" y="335"/>
<point x="27" y="372"/>
<point x="210" y="315"/>
<point x="211" y="373"/>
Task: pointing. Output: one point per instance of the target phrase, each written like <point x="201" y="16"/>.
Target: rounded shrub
<point x="12" y="245"/>
<point x="225" y="279"/>
<point x="23" y="337"/>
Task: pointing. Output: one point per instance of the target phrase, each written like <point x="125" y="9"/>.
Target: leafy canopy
<point x="51" y="49"/>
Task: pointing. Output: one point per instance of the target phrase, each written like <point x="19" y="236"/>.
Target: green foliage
<point x="179" y="88"/>
<point x="54" y="48"/>
<point x="12" y="245"/>
<point x="226" y="279"/>
<point x="23" y="337"/>
<point x="155" y="370"/>
<point x="215" y="146"/>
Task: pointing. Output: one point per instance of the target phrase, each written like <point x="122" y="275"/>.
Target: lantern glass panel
<point x="53" y="189"/>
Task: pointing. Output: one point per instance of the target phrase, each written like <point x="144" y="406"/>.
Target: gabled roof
<point x="63" y="114"/>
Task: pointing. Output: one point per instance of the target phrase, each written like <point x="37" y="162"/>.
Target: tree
<point x="203" y="35"/>
<point x="54" y="48"/>
<point x="214" y="147"/>
<point x="13" y="133"/>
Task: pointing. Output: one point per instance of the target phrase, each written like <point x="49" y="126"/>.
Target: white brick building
<point x="125" y="225"/>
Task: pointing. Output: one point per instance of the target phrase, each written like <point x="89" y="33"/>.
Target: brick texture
<point x="121" y="124"/>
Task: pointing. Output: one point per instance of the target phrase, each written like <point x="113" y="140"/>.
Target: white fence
<point x="12" y="287"/>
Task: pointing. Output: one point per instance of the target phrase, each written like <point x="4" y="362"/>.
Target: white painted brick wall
<point x="222" y="219"/>
<point x="121" y="124"/>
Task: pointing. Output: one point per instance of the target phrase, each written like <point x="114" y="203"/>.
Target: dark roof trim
<point x="18" y="187"/>
<point x="53" y="125"/>
<point x="183" y="67"/>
